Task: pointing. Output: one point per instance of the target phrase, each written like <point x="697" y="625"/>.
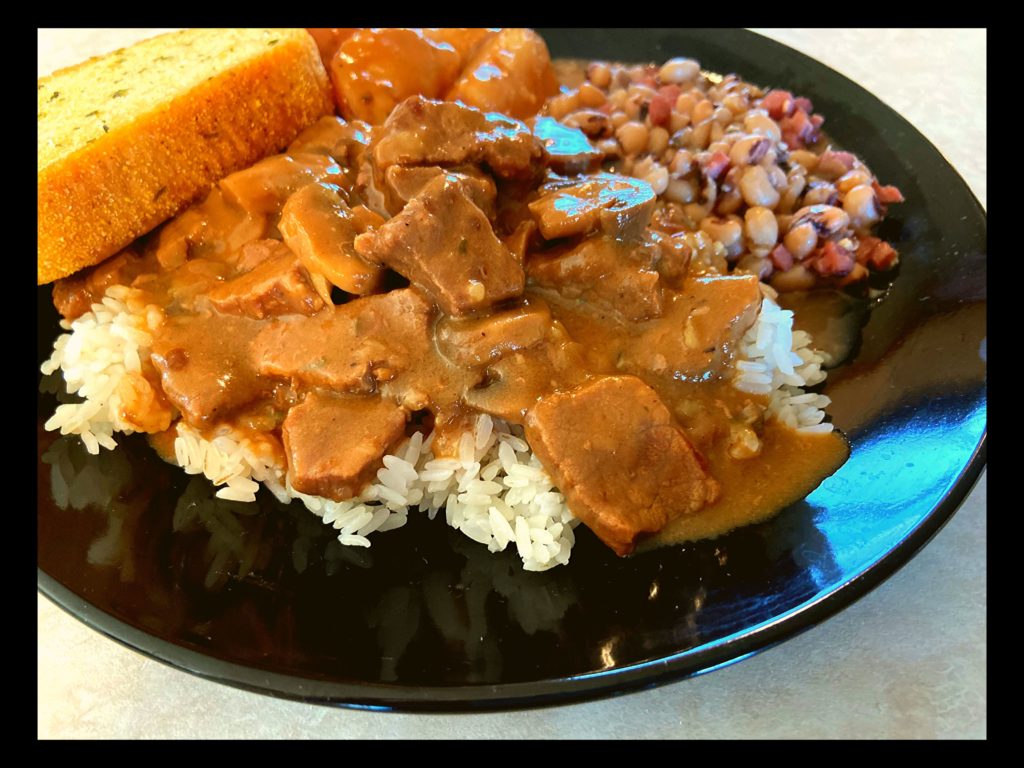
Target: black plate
<point x="428" y="620"/>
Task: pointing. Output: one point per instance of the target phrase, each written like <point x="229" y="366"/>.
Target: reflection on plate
<point x="263" y="597"/>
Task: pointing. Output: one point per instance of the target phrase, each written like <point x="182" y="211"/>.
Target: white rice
<point x="774" y="360"/>
<point x="100" y="354"/>
<point x="484" y="509"/>
<point x="494" y="490"/>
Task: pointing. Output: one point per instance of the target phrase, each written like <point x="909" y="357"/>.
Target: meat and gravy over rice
<point x="522" y="294"/>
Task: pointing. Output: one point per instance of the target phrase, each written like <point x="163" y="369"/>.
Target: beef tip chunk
<point x="518" y="241"/>
<point x="626" y="469"/>
<point x="353" y="348"/>
<point x="482" y="340"/>
<point x="251" y="255"/>
<point x="262" y="189"/>
<point x="602" y="272"/>
<point x="279" y="285"/>
<point x="701" y="324"/>
<point x="618" y="206"/>
<point x="320" y="227"/>
<point x="424" y="132"/>
<point x="331" y="135"/>
<point x="204" y="365"/>
<point x="403" y="184"/>
<point x="73" y="296"/>
<point x="517" y="380"/>
<point x="444" y="243"/>
<point x="569" y="150"/>
<point x="672" y="257"/>
<point x="335" y="443"/>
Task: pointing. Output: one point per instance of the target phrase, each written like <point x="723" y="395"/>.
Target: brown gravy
<point x="579" y="319"/>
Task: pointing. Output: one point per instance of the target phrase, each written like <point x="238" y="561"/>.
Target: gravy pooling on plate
<point x="528" y="320"/>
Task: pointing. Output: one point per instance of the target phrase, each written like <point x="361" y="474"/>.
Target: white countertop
<point x="906" y="661"/>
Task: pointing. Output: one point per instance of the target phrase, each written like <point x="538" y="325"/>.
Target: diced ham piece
<point x="625" y="467"/>
<point x="659" y="110"/>
<point x="887" y="194"/>
<point x="801" y="102"/>
<point x="876" y="254"/>
<point x="778" y="103"/>
<point x="781" y="258"/>
<point x="670" y="92"/>
<point x="715" y="165"/>
<point x="833" y="260"/>
<point x="798" y="130"/>
<point x="835" y="164"/>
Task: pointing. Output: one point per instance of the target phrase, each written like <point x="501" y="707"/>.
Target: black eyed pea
<point x="595" y="124"/>
<point x="802" y="157"/>
<point x="801" y="239"/>
<point x="657" y="177"/>
<point x="591" y="96"/>
<point x="680" y="191"/>
<point x="600" y="74"/>
<point x="790" y="197"/>
<point x="852" y="179"/>
<point x="736" y="103"/>
<point x="681" y="164"/>
<point x="677" y="121"/>
<point x="632" y="135"/>
<point x="722" y="116"/>
<point x="796" y="278"/>
<point x="826" y="219"/>
<point x="563" y="104"/>
<point x="748" y="150"/>
<point x="761" y="227"/>
<point x="757" y="189"/>
<point x="685" y="103"/>
<point x="776" y="176"/>
<point x="703" y="110"/>
<point x="729" y="201"/>
<point x="757" y="121"/>
<point x="861" y="206"/>
<point x="679" y="70"/>
<point x="755" y="265"/>
<point x="719" y="146"/>
<point x="727" y="231"/>
<point x="657" y="140"/>
<point x="696" y="212"/>
<point x="820" y="193"/>
<point x="701" y="135"/>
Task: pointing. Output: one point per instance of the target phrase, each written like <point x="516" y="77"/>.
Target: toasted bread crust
<point x="98" y="198"/>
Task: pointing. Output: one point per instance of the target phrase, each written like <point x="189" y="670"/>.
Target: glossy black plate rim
<point x="564" y="690"/>
<point x="616" y="681"/>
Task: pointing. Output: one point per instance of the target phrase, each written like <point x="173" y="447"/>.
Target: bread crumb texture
<point x="129" y="139"/>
